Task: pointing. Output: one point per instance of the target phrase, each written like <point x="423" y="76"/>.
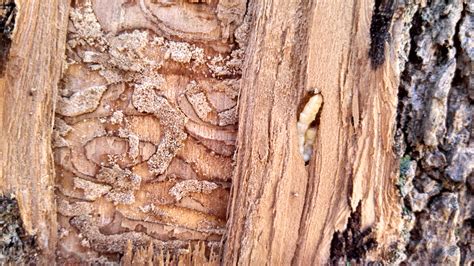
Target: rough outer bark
<point x="434" y="132"/>
<point x="28" y="89"/>
<point x="16" y="246"/>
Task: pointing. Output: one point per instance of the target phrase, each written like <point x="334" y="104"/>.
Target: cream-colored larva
<point x="307" y="116"/>
<point x="308" y="143"/>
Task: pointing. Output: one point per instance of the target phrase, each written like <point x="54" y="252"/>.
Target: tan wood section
<point x="282" y="211"/>
<point x="145" y="129"/>
<point x="28" y="89"/>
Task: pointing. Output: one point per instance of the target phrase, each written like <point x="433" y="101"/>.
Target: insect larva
<point x="308" y="143"/>
<point x="307" y="116"/>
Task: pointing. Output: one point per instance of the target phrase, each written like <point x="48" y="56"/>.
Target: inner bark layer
<point x="145" y="126"/>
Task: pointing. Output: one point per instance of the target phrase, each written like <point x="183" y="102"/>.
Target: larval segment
<point x="307" y="116"/>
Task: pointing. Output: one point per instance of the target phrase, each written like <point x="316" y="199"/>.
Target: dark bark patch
<point x="353" y="244"/>
<point x="15" y="245"/>
<point x="7" y="24"/>
<point x="380" y="30"/>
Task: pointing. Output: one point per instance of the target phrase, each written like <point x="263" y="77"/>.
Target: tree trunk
<point x="236" y="132"/>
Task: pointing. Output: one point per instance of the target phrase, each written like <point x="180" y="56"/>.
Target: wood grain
<point x="275" y="198"/>
<point x="28" y="90"/>
<point x="354" y="161"/>
<point x="270" y="179"/>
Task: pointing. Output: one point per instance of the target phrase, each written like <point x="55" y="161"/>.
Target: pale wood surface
<point x="353" y="162"/>
<point x="28" y="90"/>
<point x="270" y="179"/>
